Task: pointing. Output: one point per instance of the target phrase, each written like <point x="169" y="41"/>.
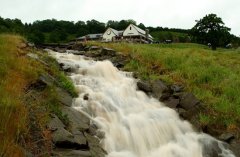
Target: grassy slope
<point x="15" y="76"/>
<point x="214" y="77"/>
<point x="17" y="72"/>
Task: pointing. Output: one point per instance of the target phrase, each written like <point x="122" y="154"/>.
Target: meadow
<point x="213" y="76"/>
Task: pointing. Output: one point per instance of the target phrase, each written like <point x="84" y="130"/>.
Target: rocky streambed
<point x="83" y="138"/>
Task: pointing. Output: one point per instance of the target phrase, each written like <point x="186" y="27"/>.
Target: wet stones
<point x="227" y="137"/>
<point x="64" y="97"/>
<point x="158" y="88"/>
<point x="144" y="86"/>
<point x="188" y="101"/>
<point x="86" y="97"/>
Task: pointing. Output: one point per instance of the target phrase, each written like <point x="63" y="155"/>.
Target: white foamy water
<point x="134" y="124"/>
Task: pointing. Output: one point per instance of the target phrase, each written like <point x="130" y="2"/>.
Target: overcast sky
<point x="165" y="13"/>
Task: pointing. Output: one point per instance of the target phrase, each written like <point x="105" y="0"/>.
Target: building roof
<point x="116" y="32"/>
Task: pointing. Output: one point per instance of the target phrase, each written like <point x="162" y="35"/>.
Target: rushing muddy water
<point x="134" y="124"/>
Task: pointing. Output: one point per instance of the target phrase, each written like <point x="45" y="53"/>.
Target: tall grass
<point x="213" y="76"/>
<point x="15" y="74"/>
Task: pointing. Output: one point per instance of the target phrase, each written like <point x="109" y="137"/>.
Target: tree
<point x="211" y="29"/>
<point x="141" y="25"/>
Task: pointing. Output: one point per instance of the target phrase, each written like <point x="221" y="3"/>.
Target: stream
<point x="134" y="124"/>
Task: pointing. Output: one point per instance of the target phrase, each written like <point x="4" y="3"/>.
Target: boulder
<point x="235" y="147"/>
<point x="172" y="102"/>
<point x="144" y="86"/>
<point x="76" y="52"/>
<point x="55" y="123"/>
<point x="66" y="68"/>
<point x="42" y="82"/>
<point x="94" y="144"/>
<point x="64" y="97"/>
<point x="188" y="101"/>
<point x="47" y="79"/>
<point x="176" y="88"/>
<point x="78" y="121"/>
<point x="94" y="48"/>
<point x="33" y="56"/>
<point x="64" y="139"/>
<point x="86" y="97"/>
<point x="158" y="88"/>
<point x="165" y="96"/>
<point x="108" y="52"/>
<point x="182" y="113"/>
<point x="226" y="137"/>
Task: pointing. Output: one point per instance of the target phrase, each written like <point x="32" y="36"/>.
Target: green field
<point x="213" y="76"/>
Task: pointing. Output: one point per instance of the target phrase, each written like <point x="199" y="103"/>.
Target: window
<point x="130" y="28"/>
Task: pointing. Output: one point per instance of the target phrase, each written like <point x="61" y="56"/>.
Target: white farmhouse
<point x="134" y="33"/>
<point x="111" y="35"/>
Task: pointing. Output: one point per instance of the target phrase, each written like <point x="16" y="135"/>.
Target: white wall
<point x="130" y="30"/>
<point x="108" y="35"/>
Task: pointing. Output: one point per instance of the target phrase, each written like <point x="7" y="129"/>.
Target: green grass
<point x="213" y="76"/>
<point x="62" y="80"/>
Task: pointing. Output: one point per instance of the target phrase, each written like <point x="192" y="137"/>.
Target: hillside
<point x="212" y="76"/>
<point x="30" y="96"/>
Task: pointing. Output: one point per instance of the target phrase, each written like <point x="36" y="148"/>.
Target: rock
<point x="55" y="123"/>
<point x="165" y="96"/>
<point x="176" y="88"/>
<point x="119" y="64"/>
<point x="235" y="147"/>
<point x="22" y="45"/>
<point x="70" y="153"/>
<point x="42" y="82"/>
<point x="33" y="56"/>
<point x="67" y="68"/>
<point x="87" y="48"/>
<point x="37" y="58"/>
<point x="92" y="129"/>
<point x="188" y="101"/>
<point x="86" y="97"/>
<point x="158" y="88"/>
<point x="64" y="139"/>
<point x="226" y="137"/>
<point x="172" y="102"/>
<point x="100" y="134"/>
<point x="94" y="144"/>
<point x="60" y="50"/>
<point x="79" y="122"/>
<point x="108" y="52"/>
<point x="64" y="97"/>
<point x="29" y="44"/>
<point x="211" y="149"/>
<point x="182" y="113"/>
<point x="79" y="137"/>
<point x="93" y="48"/>
<point x="75" y="52"/>
<point x="47" y="79"/>
<point x="144" y="86"/>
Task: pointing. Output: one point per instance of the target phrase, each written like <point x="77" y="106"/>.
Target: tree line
<point x="54" y="31"/>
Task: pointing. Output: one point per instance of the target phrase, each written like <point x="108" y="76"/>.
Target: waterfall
<point x="135" y="125"/>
